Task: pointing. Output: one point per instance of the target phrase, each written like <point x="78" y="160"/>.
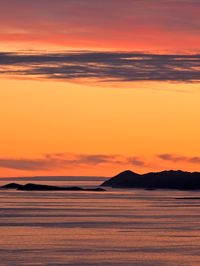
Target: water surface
<point x="116" y="227"/>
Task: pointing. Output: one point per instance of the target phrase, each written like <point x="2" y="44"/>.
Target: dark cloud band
<point x="61" y="161"/>
<point x="103" y="66"/>
<point x="177" y="158"/>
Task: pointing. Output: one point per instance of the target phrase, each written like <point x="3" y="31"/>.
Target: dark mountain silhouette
<point x="38" y="187"/>
<point x="162" y="180"/>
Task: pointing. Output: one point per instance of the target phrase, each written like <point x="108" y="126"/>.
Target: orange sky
<point x="60" y="114"/>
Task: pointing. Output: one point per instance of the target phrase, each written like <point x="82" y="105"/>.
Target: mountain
<point x="162" y="180"/>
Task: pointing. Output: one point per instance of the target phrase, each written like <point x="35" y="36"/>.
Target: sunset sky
<point x="96" y="87"/>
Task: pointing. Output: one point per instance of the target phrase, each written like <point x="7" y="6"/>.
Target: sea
<point x="117" y="227"/>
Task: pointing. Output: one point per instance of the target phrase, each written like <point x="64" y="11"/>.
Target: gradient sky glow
<point x="95" y="87"/>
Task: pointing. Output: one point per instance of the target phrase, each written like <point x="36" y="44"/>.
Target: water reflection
<point x="117" y="227"/>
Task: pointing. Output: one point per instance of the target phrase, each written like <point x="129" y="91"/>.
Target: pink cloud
<point x="111" y="23"/>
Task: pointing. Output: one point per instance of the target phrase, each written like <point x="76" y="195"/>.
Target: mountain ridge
<point x="167" y="179"/>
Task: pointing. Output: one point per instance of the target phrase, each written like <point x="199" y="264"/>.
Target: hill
<point x="162" y="180"/>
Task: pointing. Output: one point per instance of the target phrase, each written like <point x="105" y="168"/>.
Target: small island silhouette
<point x="38" y="187"/>
<point x="159" y="180"/>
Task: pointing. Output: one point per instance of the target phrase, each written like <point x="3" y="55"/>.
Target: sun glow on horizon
<point x="90" y="88"/>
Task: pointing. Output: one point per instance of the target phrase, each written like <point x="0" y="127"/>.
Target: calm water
<point x="117" y="227"/>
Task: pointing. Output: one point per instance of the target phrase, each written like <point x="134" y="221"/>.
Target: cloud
<point x="136" y="161"/>
<point x="61" y="161"/>
<point x="25" y="164"/>
<point x="106" y="23"/>
<point x="194" y="160"/>
<point x="103" y="66"/>
<point x="178" y="158"/>
<point x="171" y="157"/>
<point x="57" y="161"/>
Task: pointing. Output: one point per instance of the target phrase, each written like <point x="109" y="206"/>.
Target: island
<point x="39" y="187"/>
<point x="172" y="179"/>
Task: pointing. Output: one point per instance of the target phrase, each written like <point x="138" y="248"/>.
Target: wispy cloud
<point x="103" y="66"/>
<point x="137" y="161"/>
<point x="177" y="158"/>
<point x="61" y="161"/>
<point x="105" y="23"/>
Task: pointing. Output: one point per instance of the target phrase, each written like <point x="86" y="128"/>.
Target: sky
<point x="97" y="87"/>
